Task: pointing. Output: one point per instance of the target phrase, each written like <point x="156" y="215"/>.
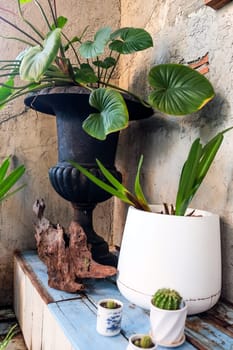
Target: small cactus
<point x="144" y="342"/>
<point x="167" y="299"/>
<point x="111" y="304"/>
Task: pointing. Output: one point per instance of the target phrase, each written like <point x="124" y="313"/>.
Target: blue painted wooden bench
<point x="52" y="319"/>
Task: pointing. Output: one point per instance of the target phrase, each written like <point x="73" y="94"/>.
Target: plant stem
<point x="20" y="30"/>
<point x="29" y="23"/>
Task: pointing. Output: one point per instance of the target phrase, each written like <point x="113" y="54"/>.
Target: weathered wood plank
<point x="77" y="319"/>
<point x="38" y="307"/>
<point x="36" y="269"/>
<point x="70" y="322"/>
<point x="207" y="335"/>
<point x="53" y="337"/>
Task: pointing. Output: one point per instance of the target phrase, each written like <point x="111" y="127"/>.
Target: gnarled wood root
<point x="67" y="256"/>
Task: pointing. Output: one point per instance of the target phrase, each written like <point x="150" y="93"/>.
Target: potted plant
<point x="168" y="313"/>
<point x="90" y="110"/>
<point x="169" y="245"/>
<point x="109" y="316"/>
<point x="8" y="180"/>
<point x="141" y="341"/>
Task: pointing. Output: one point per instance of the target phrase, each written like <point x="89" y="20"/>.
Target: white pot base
<point x="174" y="345"/>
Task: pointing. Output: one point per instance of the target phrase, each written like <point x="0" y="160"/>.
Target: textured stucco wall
<point x="182" y="32"/>
<point x="31" y="138"/>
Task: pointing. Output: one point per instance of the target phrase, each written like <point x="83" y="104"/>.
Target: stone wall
<point x="31" y="138"/>
<point x="182" y="32"/>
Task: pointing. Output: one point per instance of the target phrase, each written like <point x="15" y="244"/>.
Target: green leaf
<point x="113" y="114"/>
<point x="106" y="63"/>
<point x="72" y="41"/>
<point x="91" y="49"/>
<point x="178" y="89"/>
<point x="85" y="74"/>
<point x="61" y="22"/>
<point x="11" y="333"/>
<point x="37" y="60"/>
<point x="137" y="186"/>
<point x="130" y="40"/>
<point x="22" y="2"/>
<point x="3" y="168"/>
<point x="6" y="91"/>
<point x="8" y="181"/>
<point x="188" y="177"/>
<point x="113" y="191"/>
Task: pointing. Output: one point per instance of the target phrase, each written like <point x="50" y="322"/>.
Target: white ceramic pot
<point x="167" y="326"/>
<point x="109" y="320"/>
<point x="178" y="252"/>
<point x="134" y="337"/>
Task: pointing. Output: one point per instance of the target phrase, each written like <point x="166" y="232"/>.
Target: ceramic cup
<point x="109" y="320"/>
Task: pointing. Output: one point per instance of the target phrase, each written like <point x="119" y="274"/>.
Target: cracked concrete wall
<point x="31" y="138"/>
<point x="182" y="32"/>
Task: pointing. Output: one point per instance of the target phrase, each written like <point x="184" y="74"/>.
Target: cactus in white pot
<point x="167" y="317"/>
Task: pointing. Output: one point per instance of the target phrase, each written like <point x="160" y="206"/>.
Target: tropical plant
<point x="195" y="168"/>
<point x="11" y="333"/>
<point x="167" y="299"/>
<point x="8" y="180"/>
<point x="45" y="62"/>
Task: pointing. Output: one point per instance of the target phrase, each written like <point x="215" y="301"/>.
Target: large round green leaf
<point x="178" y="89"/>
<point x="113" y="113"/>
<point x="37" y="60"/>
<point x="91" y="49"/>
<point x="131" y="40"/>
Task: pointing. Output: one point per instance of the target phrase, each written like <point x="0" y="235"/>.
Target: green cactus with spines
<point x="167" y="299"/>
<point x="145" y="342"/>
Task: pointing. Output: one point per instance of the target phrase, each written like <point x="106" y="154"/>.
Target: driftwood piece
<point x="67" y="256"/>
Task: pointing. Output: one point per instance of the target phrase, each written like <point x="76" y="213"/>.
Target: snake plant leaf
<point x="85" y="74"/>
<point x="110" y="104"/>
<point x="119" y="192"/>
<point x="137" y="187"/>
<point x="6" y="91"/>
<point x="178" y="89"/>
<point x="37" y="60"/>
<point x="60" y="23"/>
<point x="91" y="49"/>
<point x="129" y="40"/>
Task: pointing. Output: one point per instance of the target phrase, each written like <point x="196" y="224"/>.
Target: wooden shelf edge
<point x="30" y="273"/>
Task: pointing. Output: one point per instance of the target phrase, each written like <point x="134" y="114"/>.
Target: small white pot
<point x="182" y="252"/>
<point x="167" y="326"/>
<point x="134" y="337"/>
<point x="109" y="320"/>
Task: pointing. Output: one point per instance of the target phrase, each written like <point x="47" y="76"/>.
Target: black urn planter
<point x="70" y="106"/>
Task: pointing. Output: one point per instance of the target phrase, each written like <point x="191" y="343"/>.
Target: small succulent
<point x="167" y="299"/>
<point x="144" y="342"/>
<point x="111" y="304"/>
